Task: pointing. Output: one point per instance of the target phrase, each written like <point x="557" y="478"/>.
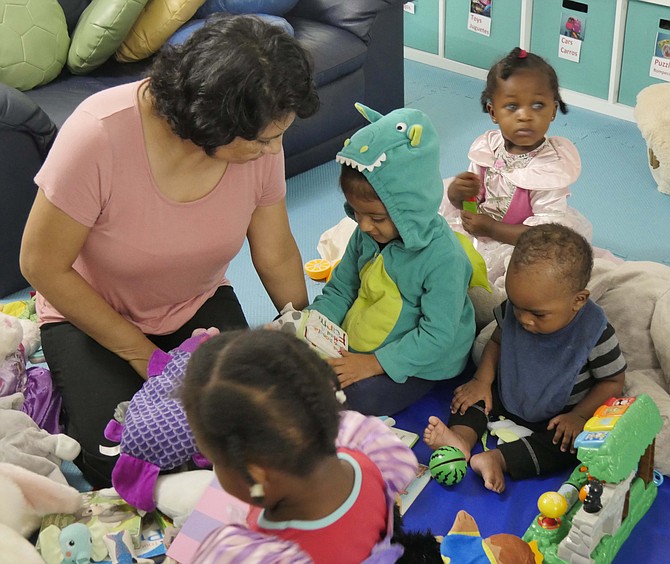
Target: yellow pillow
<point x="155" y="25"/>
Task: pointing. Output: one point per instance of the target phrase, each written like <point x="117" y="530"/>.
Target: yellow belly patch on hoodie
<point x="376" y="310"/>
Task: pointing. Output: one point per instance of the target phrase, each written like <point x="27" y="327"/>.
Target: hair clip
<point x="522" y="54"/>
<point x="340" y="396"/>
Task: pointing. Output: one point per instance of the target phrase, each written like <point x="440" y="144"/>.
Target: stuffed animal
<point x="76" y="544"/>
<point x="464" y="544"/>
<point x="26" y="498"/>
<point x="20" y="341"/>
<point x="23" y="443"/>
<point x="12" y="355"/>
<point x="154" y="434"/>
<point x="652" y="114"/>
<point x="507" y="430"/>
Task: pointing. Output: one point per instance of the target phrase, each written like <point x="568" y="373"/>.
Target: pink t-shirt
<point x="154" y="260"/>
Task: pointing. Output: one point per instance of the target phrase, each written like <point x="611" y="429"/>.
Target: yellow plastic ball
<point x="552" y="504"/>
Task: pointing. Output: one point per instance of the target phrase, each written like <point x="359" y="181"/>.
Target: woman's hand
<point x="469" y="394"/>
<point x="568" y="426"/>
<point x="354" y="367"/>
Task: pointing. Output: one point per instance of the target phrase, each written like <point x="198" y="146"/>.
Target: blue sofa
<point x="357" y="49"/>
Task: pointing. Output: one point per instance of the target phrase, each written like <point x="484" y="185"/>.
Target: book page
<point x="412" y="491"/>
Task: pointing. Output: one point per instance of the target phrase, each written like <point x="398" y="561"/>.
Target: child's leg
<point x="535" y="455"/>
<point x="380" y="395"/>
<point x="463" y="430"/>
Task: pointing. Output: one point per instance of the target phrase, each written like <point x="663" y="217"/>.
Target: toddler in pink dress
<point x="517" y="176"/>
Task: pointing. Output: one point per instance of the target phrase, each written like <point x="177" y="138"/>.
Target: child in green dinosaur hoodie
<point x="400" y="290"/>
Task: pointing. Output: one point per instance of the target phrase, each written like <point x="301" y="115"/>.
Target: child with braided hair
<point x="321" y="483"/>
<point x="518" y="177"/>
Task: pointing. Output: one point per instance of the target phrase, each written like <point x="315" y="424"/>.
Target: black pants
<point x="529" y="456"/>
<point x="93" y="380"/>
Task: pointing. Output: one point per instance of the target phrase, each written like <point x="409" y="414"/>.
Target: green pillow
<point x="101" y="28"/>
<point x="33" y="42"/>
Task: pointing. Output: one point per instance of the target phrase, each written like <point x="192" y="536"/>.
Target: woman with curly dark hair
<point x="146" y="196"/>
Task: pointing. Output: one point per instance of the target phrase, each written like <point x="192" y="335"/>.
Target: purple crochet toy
<point x="155" y="434"/>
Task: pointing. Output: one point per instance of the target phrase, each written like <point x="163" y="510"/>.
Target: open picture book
<point x="311" y="326"/>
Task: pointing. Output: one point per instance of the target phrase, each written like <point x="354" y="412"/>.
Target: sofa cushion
<point x="33" y="42"/>
<point x="72" y="10"/>
<point x="60" y="97"/>
<point x="269" y="7"/>
<point x="154" y="26"/>
<point x="26" y="134"/>
<point x="100" y="30"/>
<point x="334" y="51"/>
<point x="356" y="16"/>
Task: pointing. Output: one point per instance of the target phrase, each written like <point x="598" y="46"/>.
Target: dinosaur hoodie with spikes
<point x="405" y="301"/>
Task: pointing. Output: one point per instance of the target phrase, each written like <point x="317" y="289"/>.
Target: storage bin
<point x="644" y="23"/>
<point x="422" y="27"/>
<point x="591" y="74"/>
<point x="472" y="48"/>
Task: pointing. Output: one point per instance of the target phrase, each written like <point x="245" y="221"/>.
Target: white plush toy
<point x="11" y="335"/>
<point x="652" y="113"/>
<point x="507" y="430"/>
<point x="19" y="339"/>
<point x="26" y="498"/>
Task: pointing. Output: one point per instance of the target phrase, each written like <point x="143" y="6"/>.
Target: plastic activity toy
<point x="617" y="485"/>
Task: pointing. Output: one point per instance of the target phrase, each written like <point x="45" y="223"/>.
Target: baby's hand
<point x="464" y="187"/>
<point x="353" y="367"/>
<point x="469" y="394"/>
<point x="478" y="224"/>
<point x="568" y="426"/>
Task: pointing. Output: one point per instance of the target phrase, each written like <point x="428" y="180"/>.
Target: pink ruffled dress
<point x="528" y="189"/>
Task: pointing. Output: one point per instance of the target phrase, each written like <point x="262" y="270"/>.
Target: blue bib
<point x="537" y="372"/>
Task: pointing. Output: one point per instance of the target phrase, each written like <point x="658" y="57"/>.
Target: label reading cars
<point x="571" y="36"/>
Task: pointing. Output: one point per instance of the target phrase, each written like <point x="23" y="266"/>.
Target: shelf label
<point x="569" y="48"/>
<point x="660" y="62"/>
<point x="571" y="37"/>
<point x="479" y="19"/>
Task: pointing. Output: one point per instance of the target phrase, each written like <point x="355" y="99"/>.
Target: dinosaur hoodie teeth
<point x="361" y="167"/>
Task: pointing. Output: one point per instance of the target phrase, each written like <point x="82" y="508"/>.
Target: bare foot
<point x="490" y="465"/>
<point x="437" y="435"/>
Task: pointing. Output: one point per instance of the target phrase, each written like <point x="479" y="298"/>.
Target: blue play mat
<point x="514" y="509"/>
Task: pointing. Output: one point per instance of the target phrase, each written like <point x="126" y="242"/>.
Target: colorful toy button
<point x="610" y="410"/>
<point x="601" y="423"/>
<point x="620" y="401"/>
<point x="591" y="439"/>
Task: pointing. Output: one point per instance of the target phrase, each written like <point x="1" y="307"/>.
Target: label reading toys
<point x="479" y="18"/>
